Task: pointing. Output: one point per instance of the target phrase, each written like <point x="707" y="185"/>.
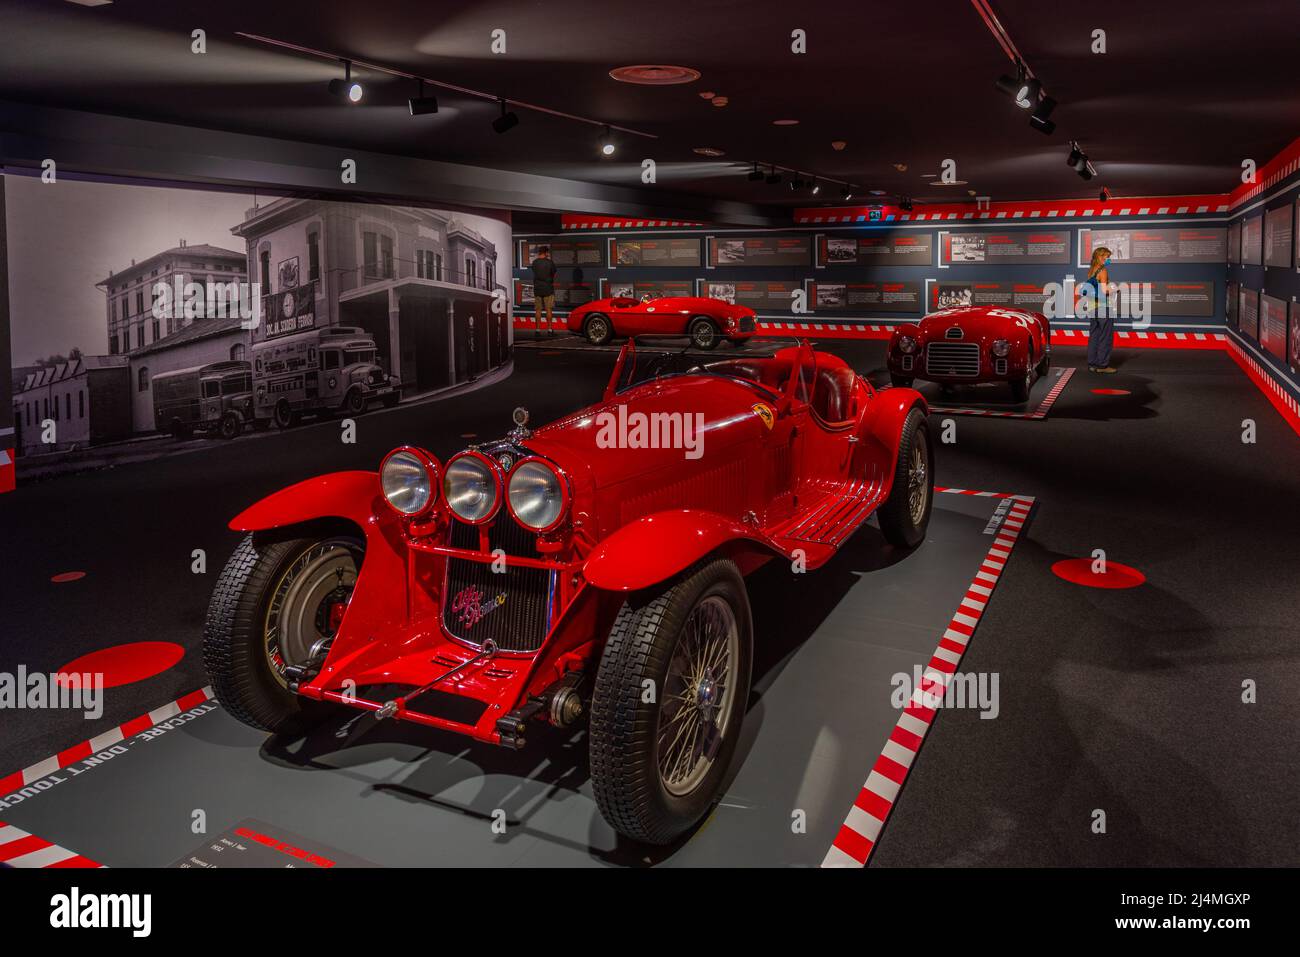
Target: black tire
<point x="901" y="525"/>
<point x="284" y="416"/>
<point x="900" y="381"/>
<point x="598" y="329"/>
<point x="235" y="650"/>
<point x="630" y="789"/>
<point x="703" y="333"/>
<point x="1020" y="387"/>
<point x="1045" y="365"/>
<point x="354" y="403"/>
<point x="230" y="426"/>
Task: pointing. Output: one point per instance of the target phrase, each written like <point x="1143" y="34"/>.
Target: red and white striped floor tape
<point x="861" y="829"/>
<point x="20" y="849"/>
<point x="98" y="743"/>
<point x="1044" y="407"/>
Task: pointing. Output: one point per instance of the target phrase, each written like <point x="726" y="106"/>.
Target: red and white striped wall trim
<point x="1147" y="340"/>
<point x="860" y="832"/>
<point x="1042" y="209"/>
<point x="85" y="749"/>
<point x="571" y="221"/>
<point x="20" y="849"/>
<point x="1280" y="398"/>
<point x="1044" y="407"/>
<point x="1276" y="170"/>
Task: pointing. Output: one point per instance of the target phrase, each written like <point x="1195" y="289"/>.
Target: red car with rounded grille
<point x="591" y="570"/>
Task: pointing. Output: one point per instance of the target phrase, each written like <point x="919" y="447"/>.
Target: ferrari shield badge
<point x="764" y="412"/>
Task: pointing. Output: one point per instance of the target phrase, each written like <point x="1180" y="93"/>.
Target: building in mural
<point x="72" y="405"/>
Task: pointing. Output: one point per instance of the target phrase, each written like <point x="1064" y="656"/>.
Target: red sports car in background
<point x="594" y="566"/>
<point x="706" y="321"/>
<point x="972" y="344"/>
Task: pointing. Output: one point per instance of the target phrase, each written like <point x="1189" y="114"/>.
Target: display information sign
<point x="946" y="295"/>
<point x="1234" y="242"/>
<point x="564" y="252"/>
<point x="761" y="296"/>
<point x="760" y="251"/>
<point x="252" y="843"/>
<point x="1252" y="241"/>
<point x="566" y="293"/>
<point x="1272" y="325"/>
<point x="902" y="248"/>
<point x="640" y="288"/>
<point x="1183" y="298"/>
<point x="656" y="252"/>
<point x="885" y="296"/>
<point x="1277" y="237"/>
<point x="1232" y="305"/>
<point x="1190" y="244"/>
<point x="996" y="247"/>
<point x="1248" y="312"/>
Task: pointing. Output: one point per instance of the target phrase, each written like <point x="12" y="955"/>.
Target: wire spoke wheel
<point x="918" y="485"/>
<point x="307" y="602"/>
<point x="698" y="695"/>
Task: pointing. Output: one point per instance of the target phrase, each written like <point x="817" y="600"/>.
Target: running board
<point x="839" y="513"/>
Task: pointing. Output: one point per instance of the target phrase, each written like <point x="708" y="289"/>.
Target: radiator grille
<point x="746" y="323"/>
<point x="953" y="359"/>
<point x="511" y="608"/>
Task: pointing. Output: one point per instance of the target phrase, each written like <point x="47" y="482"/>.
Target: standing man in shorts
<point x="544" y="286"/>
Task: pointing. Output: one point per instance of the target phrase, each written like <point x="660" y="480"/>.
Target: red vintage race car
<point x="706" y="321"/>
<point x="592" y="568"/>
<point x="973" y="344"/>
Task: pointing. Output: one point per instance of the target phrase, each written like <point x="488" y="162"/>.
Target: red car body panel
<point x="1026" y="333"/>
<point x="665" y="316"/>
<point x="794" y="461"/>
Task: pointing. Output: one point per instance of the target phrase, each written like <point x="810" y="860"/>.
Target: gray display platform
<point x="827" y="646"/>
<point x="994" y="398"/>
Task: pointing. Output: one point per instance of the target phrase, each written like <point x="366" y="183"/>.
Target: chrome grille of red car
<point x="953" y="359"/>
<point x="513" y="608"/>
<point x="746" y="323"/>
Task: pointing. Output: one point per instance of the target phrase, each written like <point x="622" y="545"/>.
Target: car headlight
<point x="906" y="345"/>
<point x="1000" y="348"/>
<point x="472" y="487"/>
<point x="409" y="479"/>
<point x="536" y="495"/>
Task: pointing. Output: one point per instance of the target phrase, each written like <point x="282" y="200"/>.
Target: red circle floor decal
<point x="125" y="664"/>
<point x="1111" y="392"/>
<point x="62" y="577"/>
<point x="1079" y="571"/>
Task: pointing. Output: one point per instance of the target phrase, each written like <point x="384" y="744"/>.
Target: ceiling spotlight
<point x="1088" y="171"/>
<point x="1039" y="118"/>
<point x="421" y="105"/>
<point x="755" y="174"/>
<point x="846" y="192"/>
<point x="1076" y="159"/>
<point x="838" y="145"/>
<point x="1028" y="93"/>
<point x="1104" y="195"/>
<point x="796" y="185"/>
<point x="773" y="177"/>
<point x="816" y="187"/>
<point x="506" y="121"/>
<point x="607" y="144"/>
<point x="1008" y="84"/>
<point x="345" y="88"/>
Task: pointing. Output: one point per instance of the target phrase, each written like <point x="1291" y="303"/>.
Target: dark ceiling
<point x="1185" y="92"/>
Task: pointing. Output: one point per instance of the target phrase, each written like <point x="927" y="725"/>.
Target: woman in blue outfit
<point x="1101" y="328"/>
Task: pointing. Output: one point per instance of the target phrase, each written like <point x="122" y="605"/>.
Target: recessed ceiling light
<point x="708" y="95"/>
<point x="708" y="151"/>
<point x="785" y="122"/>
<point x="956" y="182"/>
<point x="901" y="167"/>
<point x="838" y="145"/>
<point x="654" y="74"/>
<point x="720" y="101"/>
<point x="91" y="3"/>
<point x="928" y="175"/>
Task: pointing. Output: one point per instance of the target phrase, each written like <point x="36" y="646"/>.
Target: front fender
<point x="350" y="495"/>
<point x="883" y="422"/>
<point x="656" y="547"/>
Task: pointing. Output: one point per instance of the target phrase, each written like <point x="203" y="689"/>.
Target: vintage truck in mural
<point x="319" y="371"/>
<point x="214" y="399"/>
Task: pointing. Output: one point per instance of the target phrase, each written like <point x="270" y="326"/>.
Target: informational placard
<point x="949" y="294"/>
<point x="1138" y="244"/>
<point x="1234" y="242"/>
<point x="760" y="251"/>
<point x="884" y="296"/>
<point x="761" y="296"/>
<point x="567" y="294"/>
<point x="1252" y="241"/>
<point x="1293" y="351"/>
<point x="1248" y="312"/>
<point x="899" y="248"/>
<point x="1182" y="298"/>
<point x="565" y="252"/>
<point x="641" y="288"/>
<point x="1272" y="325"/>
<point x="656" y="252"/>
<point x="252" y="843"/>
<point x="998" y="247"/>
<point x="1232" y="305"/>
<point x="1277" y="237"/>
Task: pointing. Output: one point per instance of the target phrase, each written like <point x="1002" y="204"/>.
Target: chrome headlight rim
<point x="422" y="460"/>
<point x="907" y="344"/>
<point x="1000" y="348"/>
<point x="562" y="481"/>
<point x="494" y="472"/>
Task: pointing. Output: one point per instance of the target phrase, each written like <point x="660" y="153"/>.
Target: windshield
<point x="353" y="356"/>
<point x="764" y="363"/>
